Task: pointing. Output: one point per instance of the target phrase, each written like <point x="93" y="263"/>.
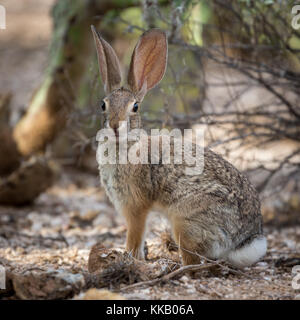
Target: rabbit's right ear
<point x="109" y="65"/>
<point x="148" y="62"/>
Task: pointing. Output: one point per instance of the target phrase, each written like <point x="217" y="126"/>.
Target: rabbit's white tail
<point x="249" y="253"/>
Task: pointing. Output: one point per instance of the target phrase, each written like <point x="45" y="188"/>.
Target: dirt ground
<point x="45" y="247"/>
<point x="48" y="244"/>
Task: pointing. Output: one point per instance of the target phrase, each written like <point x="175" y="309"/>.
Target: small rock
<point x="100" y="258"/>
<point x="184" y="278"/>
<point x="50" y="284"/>
<point x="262" y="264"/>
<point x="95" y="294"/>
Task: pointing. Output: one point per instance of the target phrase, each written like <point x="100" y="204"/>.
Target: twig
<point x="169" y="276"/>
<point x="239" y="272"/>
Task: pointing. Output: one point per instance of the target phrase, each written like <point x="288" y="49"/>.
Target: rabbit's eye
<point x="103" y="106"/>
<point x="135" y="107"/>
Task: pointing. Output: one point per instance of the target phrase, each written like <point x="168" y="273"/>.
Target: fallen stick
<point x="169" y="276"/>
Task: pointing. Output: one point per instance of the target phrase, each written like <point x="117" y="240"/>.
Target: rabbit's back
<point x="220" y="199"/>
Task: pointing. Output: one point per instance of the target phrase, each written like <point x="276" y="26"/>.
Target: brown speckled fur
<point x="215" y="211"/>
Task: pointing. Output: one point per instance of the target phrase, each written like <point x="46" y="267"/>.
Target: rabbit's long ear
<point x="109" y="65"/>
<point x="148" y="62"/>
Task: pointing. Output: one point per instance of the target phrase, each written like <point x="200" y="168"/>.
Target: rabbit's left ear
<point x="109" y="65"/>
<point x="148" y="62"/>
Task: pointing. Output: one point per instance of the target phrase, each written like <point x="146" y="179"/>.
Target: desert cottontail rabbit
<point x="214" y="214"/>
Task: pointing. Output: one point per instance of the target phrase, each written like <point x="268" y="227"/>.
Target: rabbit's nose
<point x="115" y="127"/>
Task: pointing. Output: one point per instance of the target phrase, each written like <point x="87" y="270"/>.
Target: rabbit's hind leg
<point x="190" y="244"/>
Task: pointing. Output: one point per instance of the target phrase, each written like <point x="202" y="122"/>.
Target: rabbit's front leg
<point x="136" y="221"/>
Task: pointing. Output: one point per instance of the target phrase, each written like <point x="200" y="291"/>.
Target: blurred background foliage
<point x="233" y="66"/>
